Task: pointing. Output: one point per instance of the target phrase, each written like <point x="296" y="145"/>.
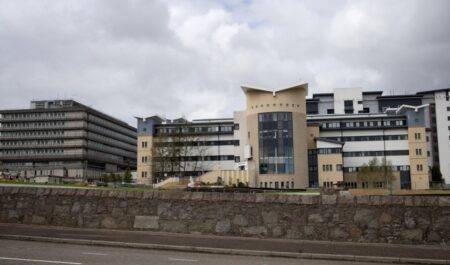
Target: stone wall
<point x="393" y="219"/>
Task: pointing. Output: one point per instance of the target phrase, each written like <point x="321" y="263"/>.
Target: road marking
<point x="187" y="260"/>
<point x="95" y="253"/>
<point x="42" y="261"/>
<point x="89" y="235"/>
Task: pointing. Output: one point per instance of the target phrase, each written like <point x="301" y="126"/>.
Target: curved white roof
<point x="252" y="88"/>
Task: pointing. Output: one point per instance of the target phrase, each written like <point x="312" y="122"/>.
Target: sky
<point x="189" y="58"/>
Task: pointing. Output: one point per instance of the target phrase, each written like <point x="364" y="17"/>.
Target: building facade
<point x="181" y="148"/>
<point x="64" y="138"/>
<point x="284" y="140"/>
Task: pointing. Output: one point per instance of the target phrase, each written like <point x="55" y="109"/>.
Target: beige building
<point x="283" y="141"/>
<point x="329" y="162"/>
<point x="277" y="137"/>
<point x="418" y="157"/>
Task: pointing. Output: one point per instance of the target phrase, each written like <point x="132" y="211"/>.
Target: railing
<point x="167" y="181"/>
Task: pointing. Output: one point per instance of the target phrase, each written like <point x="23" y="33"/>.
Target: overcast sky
<point x="138" y="58"/>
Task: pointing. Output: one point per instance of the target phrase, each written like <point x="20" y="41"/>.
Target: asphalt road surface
<point x="25" y="253"/>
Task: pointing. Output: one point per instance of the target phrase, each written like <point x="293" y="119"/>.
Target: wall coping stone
<point x="372" y="200"/>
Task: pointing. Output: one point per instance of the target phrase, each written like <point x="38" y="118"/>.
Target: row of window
<point x="370" y="138"/>
<point x="376" y="153"/>
<point x="394" y="168"/>
<point x="198" y="143"/>
<point x="327" y="151"/>
<point x="329" y="167"/>
<point x="34" y="115"/>
<point x="277" y="184"/>
<point x="31" y="151"/>
<point x="32" y="124"/>
<point x="195" y="129"/>
<point x="275" y="104"/>
<point x="30" y="143"/>
<point x="364" y="124"/>
<point x="200" y="158"/>
<point x="354" y="185"/>
<point x="33" y="133"/>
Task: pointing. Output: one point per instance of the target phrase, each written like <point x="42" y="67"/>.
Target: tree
<point x="127" y="176"/>
<point x="376" y="171"/>
<point x="177" y="152"/>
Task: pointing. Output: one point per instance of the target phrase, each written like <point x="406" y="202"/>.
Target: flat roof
<point x="433" y="91"/>
<point x="76" y="107"/>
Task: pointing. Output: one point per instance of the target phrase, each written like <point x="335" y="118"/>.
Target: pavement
<point x="188" y="243"/>
<point x="19" y="252"/>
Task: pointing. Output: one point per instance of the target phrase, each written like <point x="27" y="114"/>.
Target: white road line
<point x="63" y="234"/>
<point x="95" y="253"/>
<point x="42" y="261"/>
<point x="187" y="260"/>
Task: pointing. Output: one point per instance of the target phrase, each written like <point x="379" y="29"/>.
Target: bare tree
<point x="376" y="171"/>
<point x="178" y="152"/>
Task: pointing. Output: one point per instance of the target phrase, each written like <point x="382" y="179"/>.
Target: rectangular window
<point x="276" y="154"/>
<point x="339" y="167"/>
<point x="348" y="106"/>
<point x="144" y="144"/>
<point x="418" y="152"/>
<point x="330" y="111"/>
<point x="419" y="167"/>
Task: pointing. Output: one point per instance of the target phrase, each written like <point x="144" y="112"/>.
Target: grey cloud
<point x="177" y="57"/>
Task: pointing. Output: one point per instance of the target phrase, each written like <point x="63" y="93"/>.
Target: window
<point x="365" y="110"/>
<point x="417" y="136"/>
<point x="419" y="167"/>
<point x="379" y="184"/>
<point x="327" y="167"/>
<point x="276" y="184"/>
<point x="365" y="184"/>
<point x="328" y="184"/>
<point x="275" y="143"/>
<point x="144" y="159"/>
<point x="144" y="144"/>
<point x="339" y="167"/>
<point x="418" y="152"/>
<point x="348" y="106"/>
<point x="330" y="111"/>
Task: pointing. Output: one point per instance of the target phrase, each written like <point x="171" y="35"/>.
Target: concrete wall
<point x="393" y="219"/>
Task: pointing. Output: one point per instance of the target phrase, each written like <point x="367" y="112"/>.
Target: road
<point x="226" y="242"/>
<point x="25" y="252"/>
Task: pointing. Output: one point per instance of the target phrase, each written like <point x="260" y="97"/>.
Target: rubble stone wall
<point x="391" y="219"/>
